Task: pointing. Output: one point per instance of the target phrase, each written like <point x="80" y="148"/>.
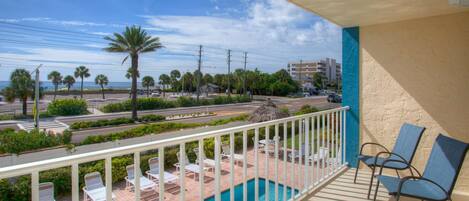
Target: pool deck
<point x="192" y="191"/>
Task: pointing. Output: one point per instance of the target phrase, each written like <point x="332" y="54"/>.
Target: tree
<point x="187" y="79"/>
<point x="208" y="78"/>
<point x="148" y="82"/>
<point x="82" y="72"/>
<point x="56" y="79"/>
<point x="134" y="41"/>
<point x="175" y="75"/>
<point x="102" y="81"/>
<point x="164" y="80"/>
<point x="21" y="87"/>
<point x="69" y="81"/>
<point x="318" y="80"/>
<point x="128" y="75"/>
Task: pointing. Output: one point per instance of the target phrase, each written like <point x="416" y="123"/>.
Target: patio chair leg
<point x="371" y="181"/>
<point x="376" y="191"/>
<point x="356" y="172"/>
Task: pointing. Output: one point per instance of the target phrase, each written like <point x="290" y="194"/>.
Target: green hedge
<point x="12" y="141"/>
<point x="116" y="121"/>
<point x="159" y="103"/>
<point x="305" y="109"/>
<point x="67" y="107"/>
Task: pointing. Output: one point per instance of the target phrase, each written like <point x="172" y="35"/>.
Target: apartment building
<point x="304" y="70"/>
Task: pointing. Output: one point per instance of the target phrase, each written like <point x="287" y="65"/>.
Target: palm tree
<point x="56" y="79"/>
<point x="21" y="87"/>
<point x="134" y="41"/>
<point x="82" y="72"/>
<point x="101" y="80"/>
<point x="69" y="81"/>
<point x="148" y="82"/>
<point x="128" y="75"/>
<point x="164" y="80"/>
<point x="175" y="75"/>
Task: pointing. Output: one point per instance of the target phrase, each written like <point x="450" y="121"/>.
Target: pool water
<point x="238" y="191"/>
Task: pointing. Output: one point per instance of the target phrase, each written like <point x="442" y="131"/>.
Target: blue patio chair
<point x="439" y="176"/>
<point x="404" y="150"/>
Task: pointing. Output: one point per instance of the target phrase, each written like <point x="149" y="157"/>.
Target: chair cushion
<point x="416" y="188"/>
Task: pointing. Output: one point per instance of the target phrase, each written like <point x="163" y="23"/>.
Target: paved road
<point x="61" y="152"/>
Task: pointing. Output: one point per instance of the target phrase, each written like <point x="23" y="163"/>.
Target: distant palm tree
<point x="102" y="81"/>
<point x="175" y="75"/>
<point x="128" y="75"/>
<point x="21" y="87"/>
<point x="164" y="80"/>
<point x="82" y="72"/>
<point x="56" y="79"/>
<point x="69" y="81"/>
<point x="134" y="41"/>
<point x="148" y="82"/>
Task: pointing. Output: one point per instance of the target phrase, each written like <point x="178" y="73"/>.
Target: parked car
<point x="155" y="94"/>
<point x="334" y="98"/>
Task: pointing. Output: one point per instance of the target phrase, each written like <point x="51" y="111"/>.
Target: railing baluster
<point x="182" y="171"/>
<point x="345" y="137"/>
<point x="300" y="152"/>
<point x="161" y="173"/>
<point x="35" y="186"/>
<point x="318" y="147"/>
<point x="75" y="184"/>
<point x="341" y="138"/>
<point x="313" y="160"/>
<point x="202" y="170"/>
<point x="137" y="175"/>
<point x="293" y="159"/>
<point x="245" y="165"/>
<point x="256" y="164"/>
<point x="323" y="135"/>
<point x="232" y="166"/>
<point x="266" y="167"/>
<point x="306" y="170"/>
<point x="336" y="115"/>
<point x="108" y="172"/>
<point x="276" y="139"/>
<point x="217" y="168"/>
<point x="328" y="143"/>
<point x="285" y="161"/>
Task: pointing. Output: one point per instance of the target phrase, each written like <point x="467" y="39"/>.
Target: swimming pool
<point x="238" y="189"/>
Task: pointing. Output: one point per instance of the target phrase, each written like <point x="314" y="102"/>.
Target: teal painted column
<point x="351" y="90"/>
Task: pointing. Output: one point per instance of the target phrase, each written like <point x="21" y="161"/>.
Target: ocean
<point x="86" y="85"/>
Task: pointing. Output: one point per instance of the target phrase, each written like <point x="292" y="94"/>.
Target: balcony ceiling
<point x="349" y="13"/>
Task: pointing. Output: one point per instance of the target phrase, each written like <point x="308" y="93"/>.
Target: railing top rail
<point x="22" y="169"/>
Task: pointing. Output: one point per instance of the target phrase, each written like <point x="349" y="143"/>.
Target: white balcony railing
<point x="318" y="160"/>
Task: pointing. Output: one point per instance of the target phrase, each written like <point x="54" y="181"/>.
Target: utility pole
<point x="244" y="72"/>
<point x="36" y="99"/>
<point x="200" y="72"/>
<point x="229" y="72"/>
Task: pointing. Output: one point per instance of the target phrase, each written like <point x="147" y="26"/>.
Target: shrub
<point x="67" y="107"/>
<point x="152" y="118"/>
<point x="186" y="101"/>
<point x="305" y="109"/>
<point x="17" y="142"/>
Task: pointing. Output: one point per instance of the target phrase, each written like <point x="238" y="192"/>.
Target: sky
<point x="62" y="35"/>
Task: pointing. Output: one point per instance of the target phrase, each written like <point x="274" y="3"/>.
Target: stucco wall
<point x="416" y="71"/>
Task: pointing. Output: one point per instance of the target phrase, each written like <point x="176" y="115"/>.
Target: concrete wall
<point x="416" y="71"/>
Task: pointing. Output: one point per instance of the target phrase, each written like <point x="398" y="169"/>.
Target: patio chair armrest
<point x="410" y="166"/>
<point x="403" y="180"/>
<point x="372" y="143"/>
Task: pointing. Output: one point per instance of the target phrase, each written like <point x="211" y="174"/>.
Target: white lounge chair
<point x="145" y="184"/>
<point x="154" y="172"/>
<point x="46" y="191"/>
<point x="189" y="167"/>
<point x="226" y="153"/>
<point x="320" y="156"/>
<point x="94" y="188"/>
<point x="208" y="162"/>
<point x="297" y="153"/>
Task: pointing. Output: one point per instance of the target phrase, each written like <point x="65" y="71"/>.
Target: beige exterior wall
<point x="416" y="71"/>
